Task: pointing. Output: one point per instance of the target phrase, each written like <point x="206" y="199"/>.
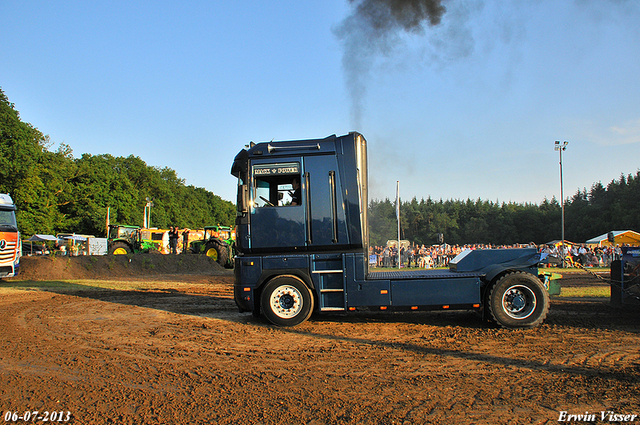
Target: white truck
<point x="10" y="243"/>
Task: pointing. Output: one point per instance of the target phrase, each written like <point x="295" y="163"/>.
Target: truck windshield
<point x="8" y="220"/>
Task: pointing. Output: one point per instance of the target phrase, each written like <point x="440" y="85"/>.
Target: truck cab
<point x="10" y="242"/>
<point x="331" y="212"/>
<point x="305" y="252"/>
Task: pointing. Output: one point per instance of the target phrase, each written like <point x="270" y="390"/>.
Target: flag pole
<point x="398" y="217"/>
<point x="108" y="213"/>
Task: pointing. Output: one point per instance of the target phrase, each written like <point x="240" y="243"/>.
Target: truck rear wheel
<point x="217" y="251"/>
<point x="286" y="301"/>
<point x="119" y="248"/>
<point x="518" y="300"/>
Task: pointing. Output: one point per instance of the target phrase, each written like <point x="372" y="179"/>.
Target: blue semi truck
<point x="302" y="245"/>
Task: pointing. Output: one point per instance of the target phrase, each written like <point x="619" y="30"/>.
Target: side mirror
<point x="243" y="198"/>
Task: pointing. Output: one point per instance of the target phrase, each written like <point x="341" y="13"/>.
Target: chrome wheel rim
<point x="519" y="302"/>
<point x="286" y="301"/>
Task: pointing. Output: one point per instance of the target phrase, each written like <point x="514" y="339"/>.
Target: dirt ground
<point x="158" y="340"/>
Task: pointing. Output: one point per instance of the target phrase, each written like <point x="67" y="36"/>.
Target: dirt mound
<point x="116" y="266"/>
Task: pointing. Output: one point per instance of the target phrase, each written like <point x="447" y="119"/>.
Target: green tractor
<point x="218" y="244"/>
<point x="133" y="239"/>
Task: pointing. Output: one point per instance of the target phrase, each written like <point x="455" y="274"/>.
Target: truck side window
<point x="276" y="185"/>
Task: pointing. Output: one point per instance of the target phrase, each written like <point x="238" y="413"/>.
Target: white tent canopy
<point x="620" y="237"/>
<point x="75" y="238"/>
<point x="42" y="238"/>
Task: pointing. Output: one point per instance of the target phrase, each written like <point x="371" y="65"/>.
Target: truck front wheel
<point x="286" y="301"/>
<point x="518" y="300"/>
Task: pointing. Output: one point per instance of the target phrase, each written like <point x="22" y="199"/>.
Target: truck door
<point x="326" y="219"/>
<point x="277" y="220"/>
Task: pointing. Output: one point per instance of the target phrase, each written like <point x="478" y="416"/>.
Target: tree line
<point x="587" y="214"/>
<point x="55" y="192"/>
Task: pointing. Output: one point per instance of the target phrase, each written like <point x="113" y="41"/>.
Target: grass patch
<point x="574" y="270"/>
<point x="112" y="262"/>
<point x="147" y="263"/>
<point x="91" y="285"/>
<point x="586" y="291"/>
<point x="84" y="285"/>
<point x="36" y="285"/>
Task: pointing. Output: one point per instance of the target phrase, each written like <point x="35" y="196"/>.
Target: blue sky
<point x="469" y="108"/>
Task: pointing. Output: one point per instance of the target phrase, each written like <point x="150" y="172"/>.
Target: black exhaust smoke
<point x="373" y="28"/>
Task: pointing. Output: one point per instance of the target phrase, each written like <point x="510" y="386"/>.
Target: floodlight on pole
<point x="561" y="147"/>
<point x="147" y="212"/>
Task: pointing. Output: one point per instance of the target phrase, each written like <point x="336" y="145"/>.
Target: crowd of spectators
<point x="584" y="255"/>
<point x="435" y="256"/>
<point x="423" y="256"/>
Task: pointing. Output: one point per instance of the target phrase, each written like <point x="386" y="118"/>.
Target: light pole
<point x="147" y="212"/>
<point x="560" y="147"/>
